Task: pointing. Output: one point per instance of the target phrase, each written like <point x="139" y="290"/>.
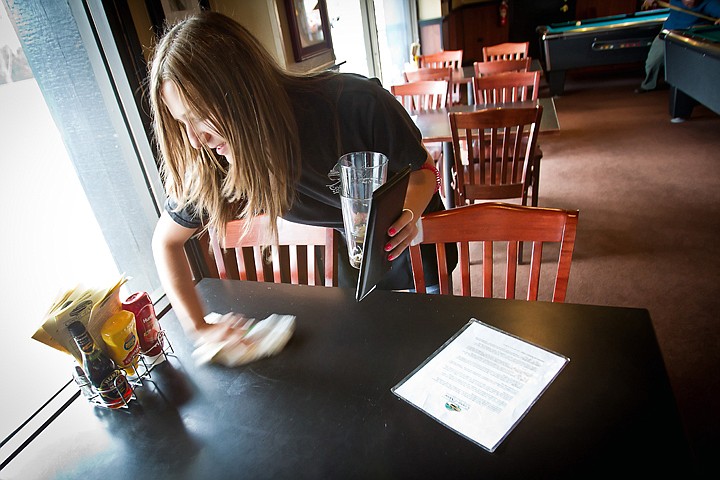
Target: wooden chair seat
<point x="486" y="224"/>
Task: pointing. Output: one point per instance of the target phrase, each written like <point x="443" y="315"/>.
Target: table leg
<point x="536" y="180"/>
<point x="556" y="81"/>
<point x="681" y="104"/>
<point x="448" y="164"/>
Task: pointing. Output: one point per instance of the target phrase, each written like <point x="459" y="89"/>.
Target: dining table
<point x="434" y="125"/>
<point x="323" y="406"/>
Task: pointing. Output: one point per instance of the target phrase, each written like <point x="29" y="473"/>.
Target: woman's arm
<point x="168" y="244"/>
<point x="422" y="186"/>
<point x="168" y="249"/>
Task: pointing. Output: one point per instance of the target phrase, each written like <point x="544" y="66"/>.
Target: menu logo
<point x="452" y="407"/>
<point x="455" y="404"/>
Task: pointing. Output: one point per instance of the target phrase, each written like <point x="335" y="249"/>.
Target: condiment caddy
<point x="133" y="344"/>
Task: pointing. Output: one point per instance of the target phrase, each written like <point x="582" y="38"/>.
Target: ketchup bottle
<point x="146" y="322"/>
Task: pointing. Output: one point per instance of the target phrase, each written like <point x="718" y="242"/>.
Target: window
<point x="78" y="181"/>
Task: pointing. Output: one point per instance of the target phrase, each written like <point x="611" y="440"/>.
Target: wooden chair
<point x="503" y="150"/>
<point x="506" y="87"/>
<point x="421" y="95"/>
<point x="424" y="95"/>
<point x="444" y="59"/>
<point x="297" y="265"/>
<point x="483" y="69"/>
<point x="425" y="74"/>
<point x="505" y="51"/>
<point x="489" y="223"/>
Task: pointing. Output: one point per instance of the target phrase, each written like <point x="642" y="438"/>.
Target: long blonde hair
<point x="226" y="77"/>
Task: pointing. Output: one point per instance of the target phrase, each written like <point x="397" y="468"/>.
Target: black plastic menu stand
<point x="386" y="206"/>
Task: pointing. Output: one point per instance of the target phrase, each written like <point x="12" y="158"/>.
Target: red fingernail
<point x="392" y="231"/>
<point x="388" y="247"/>
<point x="390" y="257"/>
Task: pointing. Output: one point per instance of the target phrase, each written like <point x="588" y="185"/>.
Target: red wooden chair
<point x="506" y="87"/>
<point x="444" y="59"/>
<point x="500" y="162"/>
<point x="297" y="265"/>
<point x="505" y="51"/>
<point x="425" y="74"/>
<point x="421" y="95"/>
<point x="483" y="69"/>
<point x="424" y="95"/>
<point x="486" y="224"/>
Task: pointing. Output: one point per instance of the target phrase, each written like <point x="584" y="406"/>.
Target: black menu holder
<point x="386" y="206"/>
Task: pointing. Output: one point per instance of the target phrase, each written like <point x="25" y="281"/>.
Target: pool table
<point x="692" y="68"/>
<point x="597" y="42"/>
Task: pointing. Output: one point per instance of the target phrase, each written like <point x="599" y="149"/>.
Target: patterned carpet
<point x="648" y="192"/>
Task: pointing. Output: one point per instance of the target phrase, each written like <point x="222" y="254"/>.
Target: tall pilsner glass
<point x="361" y="173"/>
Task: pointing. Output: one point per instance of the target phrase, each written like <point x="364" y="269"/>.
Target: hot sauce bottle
<point x="110" y="383"/>
<point x="146" y="322"/>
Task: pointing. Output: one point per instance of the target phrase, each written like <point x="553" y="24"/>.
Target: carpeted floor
<point x="648" y="192"/>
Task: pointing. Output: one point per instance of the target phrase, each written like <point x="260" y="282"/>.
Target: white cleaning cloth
<point x="263" y="339"/>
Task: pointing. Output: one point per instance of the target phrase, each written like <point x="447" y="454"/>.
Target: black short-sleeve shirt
<point x="345" y="113"/>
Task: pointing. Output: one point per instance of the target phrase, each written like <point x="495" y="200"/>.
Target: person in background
<point x="240" y="137"/>
<point x="676" y="20"/>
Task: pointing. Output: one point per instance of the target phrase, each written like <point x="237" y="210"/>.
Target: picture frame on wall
<point x="309" y="28"/>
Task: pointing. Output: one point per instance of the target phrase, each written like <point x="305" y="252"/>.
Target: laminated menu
<point x="481" y="382"/>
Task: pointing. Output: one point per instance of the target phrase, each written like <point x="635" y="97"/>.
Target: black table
<point x="692" y="68"/>
<point x="323" y="408"/>
<point x="594" y="42"/>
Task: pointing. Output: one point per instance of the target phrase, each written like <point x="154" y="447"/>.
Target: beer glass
<point x="361" y="173"/>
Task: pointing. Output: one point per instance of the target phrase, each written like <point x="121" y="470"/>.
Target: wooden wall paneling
<point x="473" y="27"/>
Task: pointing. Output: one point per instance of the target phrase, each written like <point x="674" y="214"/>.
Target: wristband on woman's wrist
<point x="427" y="166"/>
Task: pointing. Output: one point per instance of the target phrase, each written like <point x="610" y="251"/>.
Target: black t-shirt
<point x="346" y="113"/>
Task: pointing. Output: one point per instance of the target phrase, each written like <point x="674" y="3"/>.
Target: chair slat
<point x="487" y="268"/>
<point x="511" y="270"/>
<point x="535" y="259"/>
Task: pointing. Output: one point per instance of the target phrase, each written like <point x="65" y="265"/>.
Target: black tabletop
<point x="323" y="407"/>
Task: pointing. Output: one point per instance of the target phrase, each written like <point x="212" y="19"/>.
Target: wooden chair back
<point x="444" y="59"/>
<point x="429" y="73"/>
<point x="505" y="51"/>
<point x="486" y="224"/>
<point x="498" y="166"/>
<point x="506" y="87"/>
<point x="421" y="95"/>
<point x="483" y="69"/>
<point x="295" y="258"/>
<point x="424" y="74"/>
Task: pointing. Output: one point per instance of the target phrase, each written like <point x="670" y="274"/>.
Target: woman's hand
<point x="421" y="187"/>
<point x="231" y="327"/>
<point x="401" y="233"/>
